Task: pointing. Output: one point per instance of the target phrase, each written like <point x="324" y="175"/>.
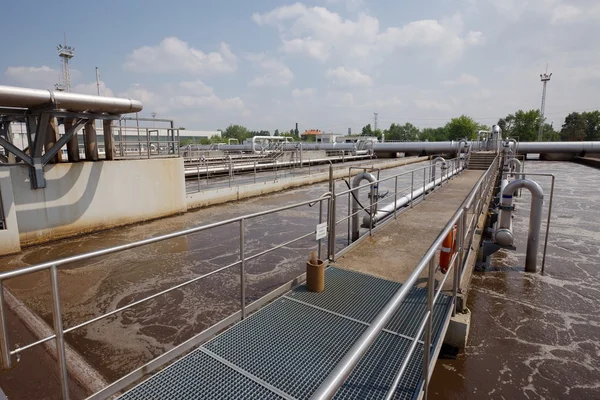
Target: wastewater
<point x="124" y="341"/>
<point x="534" y="335"/>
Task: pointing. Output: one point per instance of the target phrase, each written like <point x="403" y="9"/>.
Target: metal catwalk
<point x="286" y="349"/>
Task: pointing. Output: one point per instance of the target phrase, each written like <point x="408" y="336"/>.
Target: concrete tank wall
<point x="9" y="237"/>
<point x="89" y="196"/>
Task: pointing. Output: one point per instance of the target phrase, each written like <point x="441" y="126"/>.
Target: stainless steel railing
<point x="53" y="267"/>
<point x="428" y="263"/>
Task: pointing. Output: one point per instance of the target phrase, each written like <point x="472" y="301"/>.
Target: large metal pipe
<point x="275" y="138"/>
<point x="355" y="206"/>
<point x="11" y="96"/>
<point x="444" y="147"/>
<point x="504" y="234"/>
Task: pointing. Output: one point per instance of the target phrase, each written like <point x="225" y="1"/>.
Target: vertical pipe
<point x="91" y="141"/>
<point x="73" y="143"/>
<point x="51" y="138"/>
<point x="6" y="359"/>
<point x="427" y="342"/>
<point x="109" y="143"/>
<point x="58" y="331"/>
<point x="242" y="268"/>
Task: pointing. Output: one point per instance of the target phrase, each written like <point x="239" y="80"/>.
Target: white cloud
<point x="433" y="105"/>
<point x="463" y="79"/>
<point x="276" y="73"/>
<point x="173" y="55"/>
<point x="348" y="76"/>
<point x="321" y="33"/>
<point x="42" y="77"/>
<point x="92" y="88"/>
<point x="303" y="93"/>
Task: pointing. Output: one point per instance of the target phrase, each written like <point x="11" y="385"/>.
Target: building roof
<point x="313" y="132"/>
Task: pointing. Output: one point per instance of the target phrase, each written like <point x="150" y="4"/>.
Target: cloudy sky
<point x="327" y="64"/>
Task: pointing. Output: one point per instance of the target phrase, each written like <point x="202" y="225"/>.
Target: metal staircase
<point x="481" y="160"/>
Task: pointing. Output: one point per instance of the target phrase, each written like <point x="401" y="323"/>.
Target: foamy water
<point x="534" y="336"/>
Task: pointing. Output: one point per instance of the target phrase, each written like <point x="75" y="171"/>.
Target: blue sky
<point x="325" y="64"/>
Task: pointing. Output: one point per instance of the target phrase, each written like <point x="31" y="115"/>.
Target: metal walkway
<point x="286" y="349"/>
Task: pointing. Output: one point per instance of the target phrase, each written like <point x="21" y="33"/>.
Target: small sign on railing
<point x="321" y="230"/>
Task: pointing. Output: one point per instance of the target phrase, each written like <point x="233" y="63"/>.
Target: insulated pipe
<point x="504" y="234"/>
<point x="11" y="96"/>
<point x="355" y="206"/>
<point x="513" y="162"/>
<point x="388" y="209"/>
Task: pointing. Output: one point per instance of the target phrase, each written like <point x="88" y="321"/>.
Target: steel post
<point x="6" y="359"/>
<point x="320" y="241"/>
<point x="396" y="197"/>
<point x="58" y="331"/>
<point x="427" y="341"/>
<point x="242" y="268"/>
<point x="412" y="182"/>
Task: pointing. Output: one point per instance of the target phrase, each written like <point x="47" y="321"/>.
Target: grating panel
<point x="290" y="345"/>
<point x="350" y="293"/>
<point x="198" y="376"/>
<point x="409" y="316"/>
<point x="376" y="371"/>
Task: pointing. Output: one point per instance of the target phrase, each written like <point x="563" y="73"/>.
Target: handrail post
<point x="372" y="194"/>
<point x="427" y="342"/>
<point x="412" y="182"/>
<point x="320" y="221"/>
<point x="424" y="179"/>
<point x="6" y="359"/>
<point x="458" y="261"/>
<point x="242" y="268"/>
<point x="58" y="331"/>
<point x="396" y="196"/>
<point x="198" y="175"/>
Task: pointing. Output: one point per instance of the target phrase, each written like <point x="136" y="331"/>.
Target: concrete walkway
<point x="394" y="251"/>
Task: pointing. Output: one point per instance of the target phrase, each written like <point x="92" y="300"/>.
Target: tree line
<point x="523" y="125"/>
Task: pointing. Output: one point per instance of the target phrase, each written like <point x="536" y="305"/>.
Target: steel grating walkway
<point x="286" y="349"/>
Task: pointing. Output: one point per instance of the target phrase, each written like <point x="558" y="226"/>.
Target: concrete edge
<point x="212" y="197"/>
<point x="77" y="366"/>
<point x="590" y="162"/>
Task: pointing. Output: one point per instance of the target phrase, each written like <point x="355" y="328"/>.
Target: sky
<point x="325" y="64"/>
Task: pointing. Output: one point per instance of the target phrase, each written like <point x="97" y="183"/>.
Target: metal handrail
<point x="336" y="378"/>
<point x="53" y="266"/>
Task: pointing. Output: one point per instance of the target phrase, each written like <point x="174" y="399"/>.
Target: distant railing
<point x="147" y="144"/>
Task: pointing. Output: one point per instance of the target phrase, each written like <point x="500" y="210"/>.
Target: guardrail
<point x="146" y="144"/>
<point x="465" y="235"/>
<point x="473" y="205"/>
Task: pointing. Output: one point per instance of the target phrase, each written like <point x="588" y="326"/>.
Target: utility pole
<point x="545" y="79"/>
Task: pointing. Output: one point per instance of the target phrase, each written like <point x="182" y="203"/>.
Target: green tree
<point x="434" y="134"/>
<point x="407" y="132"/>
<point x="276" y="133"/>
<point x="592" y="122"/>
<point x="524" y="125"/>
<point x="238" y="132"/>
<point x="367" y="130"/>
<point x="462" y="127"/>
<point x="574" y="128"/>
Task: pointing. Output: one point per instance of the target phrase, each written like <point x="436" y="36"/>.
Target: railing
<point x="60" y="330"/>
<point x="465" y="235"/>
<point x="466" y="219"/>
<point x="147" y="144"/>
<point x="419" y="178"/>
